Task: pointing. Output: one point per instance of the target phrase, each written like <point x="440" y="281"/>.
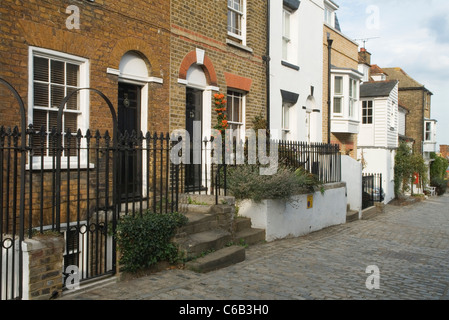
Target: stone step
<point x="242" y="223"/>
<point x="352" y="216"/>
<point x="197" y="223"/>
<point x="197" y="244"/>
<point x="250" y="236"/>
<point x="216" y="260"/>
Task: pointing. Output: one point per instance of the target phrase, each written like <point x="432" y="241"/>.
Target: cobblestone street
<point x="409" y="245"/>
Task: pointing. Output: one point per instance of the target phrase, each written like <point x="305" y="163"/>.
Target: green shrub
<point x="440" y="185"/>
<point x="245" y="182"/>
<point x="145" y="240"/>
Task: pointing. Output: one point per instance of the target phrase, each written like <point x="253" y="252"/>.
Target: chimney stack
<point x="364" y="57"/>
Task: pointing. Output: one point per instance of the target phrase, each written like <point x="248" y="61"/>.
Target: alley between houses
<point x="409" y="245"/>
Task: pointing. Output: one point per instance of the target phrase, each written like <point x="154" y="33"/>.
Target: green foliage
<point x="145" y="240"/>
<point x="440" y="184"/>
<point x="438" y="167"/>
<point x="245" y="182"/>
<point x="406" y="165"/>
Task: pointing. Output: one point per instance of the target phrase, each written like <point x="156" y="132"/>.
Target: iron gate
<point x="372" y="190"/>
<point x="77" y="184"/>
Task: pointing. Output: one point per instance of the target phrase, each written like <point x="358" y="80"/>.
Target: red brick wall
<point x="108" y="29"/>
<point x="203" y="25"/>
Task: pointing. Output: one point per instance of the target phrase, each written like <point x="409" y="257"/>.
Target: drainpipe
<point x="329" y="81"/>
<point x="267" y="61"/>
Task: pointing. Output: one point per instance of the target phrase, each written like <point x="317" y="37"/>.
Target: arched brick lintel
<point x="207" y="67"/>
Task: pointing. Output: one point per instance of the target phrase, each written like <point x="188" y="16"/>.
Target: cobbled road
<point x="409" y="246"/>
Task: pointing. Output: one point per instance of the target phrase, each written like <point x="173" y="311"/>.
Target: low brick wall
<point x="43" y="264"/>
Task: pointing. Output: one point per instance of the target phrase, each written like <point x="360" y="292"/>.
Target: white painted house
<point x="379" y="131"/>
<point x="296" y="69"/>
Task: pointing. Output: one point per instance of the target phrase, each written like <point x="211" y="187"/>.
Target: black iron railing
<point x="320" y="159"/>
<point x="372" y="190"/>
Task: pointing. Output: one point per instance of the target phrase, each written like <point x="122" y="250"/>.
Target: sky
<point x="410" y="34"/>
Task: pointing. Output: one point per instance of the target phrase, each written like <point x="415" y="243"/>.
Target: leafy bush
<point x="406" y="165"/>
<point x="145" y="240"/>
<point x="438" y="167"/>
<point x="440" y="184"/>
<point x="245" y="182"/>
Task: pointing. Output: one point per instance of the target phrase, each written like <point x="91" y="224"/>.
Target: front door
<point x="194" y="106"/>
<point x="128" y="123"/>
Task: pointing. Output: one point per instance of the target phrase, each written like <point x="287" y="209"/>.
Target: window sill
<point x="290" y="65"/>
<point x="37" y="166"/>
<point x="239" y="46"/>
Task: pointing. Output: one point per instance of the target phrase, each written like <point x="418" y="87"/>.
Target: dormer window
<point x="329" y="12"/>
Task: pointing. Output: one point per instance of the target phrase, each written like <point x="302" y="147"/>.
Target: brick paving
<point x="409" y="245"/>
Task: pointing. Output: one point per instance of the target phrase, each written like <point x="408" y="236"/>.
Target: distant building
<point x="417" y="99"/>
<point x="378" y="138"/>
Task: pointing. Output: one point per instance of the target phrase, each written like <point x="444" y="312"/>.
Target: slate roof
<point x="377" y="89"/>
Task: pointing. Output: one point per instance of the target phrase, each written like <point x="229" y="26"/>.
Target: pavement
<point x="402" y="254"/>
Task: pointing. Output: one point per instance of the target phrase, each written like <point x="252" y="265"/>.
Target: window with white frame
<point x="353" y="89"/>
<point x="338" y="96"/>
<point x="235" y="112"/>
<point x="329" y="16"/>
<point x="53" y="76"/>
<point x="286" y="34"/>
<point x="428" y="131"/>
<point x="236" y="19"/>
<point x="367" y="112"/>
<point x="286" y="109"/>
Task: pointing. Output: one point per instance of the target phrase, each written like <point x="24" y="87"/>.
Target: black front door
<point x="194" y="105"/>
<point x="128" y="126"/>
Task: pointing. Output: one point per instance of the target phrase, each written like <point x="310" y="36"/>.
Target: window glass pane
<point x="338" y="85"/>
<point x="236" y="109"/>
<point x="57" y="95"/>
<point x="41" y="95"/>
<point x="286" y="24"/>
<point x="40" y="119"/>
<point x="53" y="120"/>
<point x="285" y="116"/>
<point x="40" y="69"/>
<point x="57" y="72"/>
<point x="73" y="103"/>
<point x="72" y="75"/>
<point x="70" y="122"/>
<point x="337" y="105"/>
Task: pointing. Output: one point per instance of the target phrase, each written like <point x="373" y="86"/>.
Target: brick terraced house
<point x="341" y="90"/>
<point x="50" y="50"/>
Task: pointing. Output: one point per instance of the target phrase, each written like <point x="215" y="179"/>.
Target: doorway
<point x="194" y="107"/>
<point x="130" y="160"/>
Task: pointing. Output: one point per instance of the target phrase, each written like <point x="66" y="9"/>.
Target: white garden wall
<point x="289" y="219"/>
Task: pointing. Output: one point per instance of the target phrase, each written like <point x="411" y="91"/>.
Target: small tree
<point x="438" y="173"/>
<point x="407" y="164"/>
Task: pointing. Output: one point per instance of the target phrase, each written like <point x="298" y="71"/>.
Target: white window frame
<point x="353" y="98"/>
<point x="366" y="105"/>
<point x="338" y="95"/>
<point x="242" y="14"/>
<point x="286" y="119"/>
<point x="428" y="132"/>
<point x="241" y="123"/>
<point x="348" y="96"/>
<point x="286" y="34"/>
<point x="83" y="112"/>
<point x="329" y="13"/>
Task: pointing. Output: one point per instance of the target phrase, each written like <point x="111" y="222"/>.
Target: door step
<point x="196" y="244"/>
<point x="217" y="260"/>
<point x="352" y="216"/>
